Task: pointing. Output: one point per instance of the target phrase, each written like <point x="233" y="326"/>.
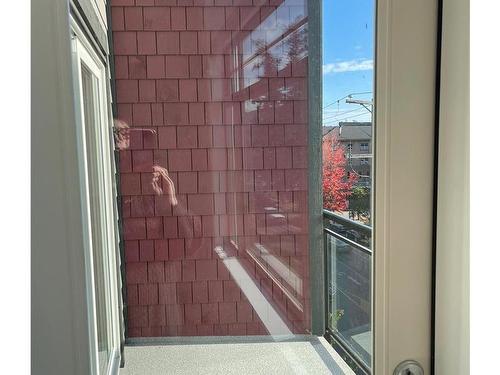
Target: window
<point x="364" y="146"/>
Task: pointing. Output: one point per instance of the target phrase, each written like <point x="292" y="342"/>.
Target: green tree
<point x="359" y="203"/>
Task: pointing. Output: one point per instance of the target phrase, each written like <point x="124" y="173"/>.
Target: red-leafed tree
<point x="337" y="183"/>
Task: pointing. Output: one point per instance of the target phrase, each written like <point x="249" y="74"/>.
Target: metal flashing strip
<point x="315" y="195"/>
<point x="207" y="340"/>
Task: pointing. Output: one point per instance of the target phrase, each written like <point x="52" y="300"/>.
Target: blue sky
<point x="348" y="48"/>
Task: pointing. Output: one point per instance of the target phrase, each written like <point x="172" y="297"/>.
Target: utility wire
<point x="333" y="117"/>
<point x="345" y="118"/>
<point x="348" y="95"/>
<point x="341" y="114"/>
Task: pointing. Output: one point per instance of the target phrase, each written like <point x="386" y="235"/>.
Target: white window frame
<point x="84" y="53"/>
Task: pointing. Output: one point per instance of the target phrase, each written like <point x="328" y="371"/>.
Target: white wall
<point x="452" y="276"/>
<point x="60" y="340"/>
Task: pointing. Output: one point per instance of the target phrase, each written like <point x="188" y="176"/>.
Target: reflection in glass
<point x="213" y="137"/>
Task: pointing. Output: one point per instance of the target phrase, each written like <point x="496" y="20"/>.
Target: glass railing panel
<point x="349" y="295"/>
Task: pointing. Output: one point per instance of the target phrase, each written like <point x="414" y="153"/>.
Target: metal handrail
<point x="332" y="215"/>
<point x="364" y="231"/>
<point x="348" y="241"/>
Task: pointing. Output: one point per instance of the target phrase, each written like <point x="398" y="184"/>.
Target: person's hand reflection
<point x="160" y="173"/>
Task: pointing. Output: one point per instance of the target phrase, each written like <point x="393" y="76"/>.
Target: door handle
<point x="409" y="367"/>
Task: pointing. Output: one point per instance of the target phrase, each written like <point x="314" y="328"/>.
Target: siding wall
<point x="215" y="95"/>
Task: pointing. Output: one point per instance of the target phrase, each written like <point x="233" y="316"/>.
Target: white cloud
<point x="348" y="66"/>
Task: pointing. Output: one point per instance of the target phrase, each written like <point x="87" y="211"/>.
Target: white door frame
<point x="403" y="204"/>
<point x="83" y="53"/>
<point x="452" y="239"/>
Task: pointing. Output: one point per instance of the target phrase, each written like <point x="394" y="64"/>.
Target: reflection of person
<point x="159" y="173"/>
<point x="122" y="134"/>
<point x="183" y="215"/>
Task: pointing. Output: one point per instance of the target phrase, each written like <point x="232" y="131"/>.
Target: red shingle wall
<point x="215" y="95"/>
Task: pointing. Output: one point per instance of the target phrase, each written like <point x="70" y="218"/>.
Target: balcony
<point x="235" y="355"/>
<point x="345" y="349"/>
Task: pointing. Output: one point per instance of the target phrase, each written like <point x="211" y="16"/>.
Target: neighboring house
<point x="356" y="138"/>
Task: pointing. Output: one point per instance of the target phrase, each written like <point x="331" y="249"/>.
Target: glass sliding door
<point x="218" y="152"/>
<point x="224" y="111"/>
<point x="96" y="172"/>
<point x="213" y="132"/>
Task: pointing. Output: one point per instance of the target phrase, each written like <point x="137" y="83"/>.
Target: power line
<point x="330" y="111"/>
<point x="335" y="119"/>
<point x="346" y="118"/>
<point x="348" y="95"/>
<point x="343" y="119"/>
<point x="342" y="114"/>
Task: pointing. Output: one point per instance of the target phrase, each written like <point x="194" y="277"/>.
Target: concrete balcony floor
<point x="233" y="355"/>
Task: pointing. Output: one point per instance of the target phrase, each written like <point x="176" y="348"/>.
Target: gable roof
<point x="355" y="131"/>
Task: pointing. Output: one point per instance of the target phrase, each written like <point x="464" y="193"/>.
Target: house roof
<point x="355" y="131"/>
<point x="327" y="129"/>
